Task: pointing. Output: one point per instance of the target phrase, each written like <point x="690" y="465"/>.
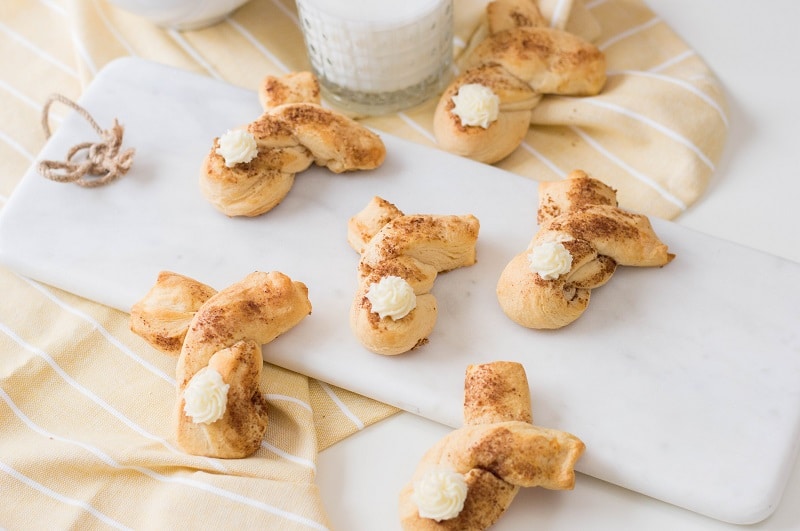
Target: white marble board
<point x="683" y="381"/>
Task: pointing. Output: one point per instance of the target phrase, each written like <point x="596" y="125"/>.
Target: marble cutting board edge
<point x="682" y="380"/>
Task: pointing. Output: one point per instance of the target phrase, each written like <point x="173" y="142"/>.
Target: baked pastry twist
<point x="220" y="410"/>
<point x="393" y="310"/>
<point x="582" y="237"/>
<point x="248" y="172"/>
<point x="487" y="461"/>
<point x="485" y="113"/>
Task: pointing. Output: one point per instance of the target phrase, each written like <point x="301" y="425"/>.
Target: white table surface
<point x="752" y="200"/>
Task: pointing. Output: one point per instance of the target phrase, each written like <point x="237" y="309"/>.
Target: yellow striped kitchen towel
<point x="86" y="436"/>
<point x="655" y="133"/>
<point x="85" y="430"/>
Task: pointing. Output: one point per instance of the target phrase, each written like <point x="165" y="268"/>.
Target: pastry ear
<point x="508" y="14"/>
<point x="163" y="315"/>
<point x="443" y="241"/>
<point x="626" y="237"/>
<point x="496" y="392"/>
<point x="366" y="224"/>
<point x="548" y="60"/>
<point x="293" y="132"/>
<point x="294" y="87"/>
<point x="260" y="307"/>
<point x="578" y="190"/>
<point x="333" y="139"/>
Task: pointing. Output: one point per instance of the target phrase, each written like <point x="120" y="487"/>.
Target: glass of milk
<point x="374" y="56"/>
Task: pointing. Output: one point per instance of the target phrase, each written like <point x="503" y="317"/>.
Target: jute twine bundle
<point x="103" y="159"/>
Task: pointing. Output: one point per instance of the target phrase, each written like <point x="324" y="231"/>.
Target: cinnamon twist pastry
<point x="582" y="238"/>
<point x="470" y="477"/>
<point x="220" y="410"/>
<point x="393" y="310"/>
<point x="485" y="113"/>
<point x="249" y="171"/>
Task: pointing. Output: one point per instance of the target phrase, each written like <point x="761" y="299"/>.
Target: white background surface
<point x="724" y="382"/>
<point x="752" y="200"/>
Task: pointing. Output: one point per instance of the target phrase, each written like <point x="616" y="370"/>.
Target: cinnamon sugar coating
<point x="520" y="60"/>
<point x="498" y="451"/>
<point x="415" y="248"/>
<point x="292" y="133"/>
<point x="223" y="331"/>
<point x="582" y="214"/>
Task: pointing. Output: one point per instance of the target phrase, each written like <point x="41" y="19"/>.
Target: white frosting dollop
<point x="476" y="104"/>
<point x="237" y="146"/>
<point x="550" y="260"/>
<point x="440" y="494"/>
<point x="206" y="396"/>
<point x="392" y="296"/>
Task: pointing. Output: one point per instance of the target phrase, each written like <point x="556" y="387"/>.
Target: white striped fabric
<point x="85" y="405"/>
<point x="654" y="133"/>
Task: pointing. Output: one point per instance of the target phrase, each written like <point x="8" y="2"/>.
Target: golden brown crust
<point x="519" y="59"/>
<point x="225" y="332"/>
<point x="445" y="242"/>
<point x="517" y="452"/>
<point x="259" y="307"/>
<point x="292" y="133"/>
<point x="497" y="391"/>
<point x="501" y="137"/>
<point x="507" y="14"/>
<point x="555" y="197"/>
<point x="334" y="140"/>
<point x="294" y="87"/>
<point x="162" y="316"/>
<point x="365" y="224"/>
<point x="253" y="188"/>
<point x="242" y="427"/>
<point x="626" y="237"/>
<point x="415" y="248"/>
<point x="582" y="214"/>
<point x="496" y="451"/>
<point x="549" y="60"/>
<point x="389" y="337"/>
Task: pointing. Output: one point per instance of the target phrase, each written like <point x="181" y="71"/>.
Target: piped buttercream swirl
<point x="205" y="396"/>
<point x="237" y="146"/>
<point x="440" y="494"/>
<point x="392" y="297"/>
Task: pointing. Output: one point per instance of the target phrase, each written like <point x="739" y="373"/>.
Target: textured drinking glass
<point x="374" y="57"/>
